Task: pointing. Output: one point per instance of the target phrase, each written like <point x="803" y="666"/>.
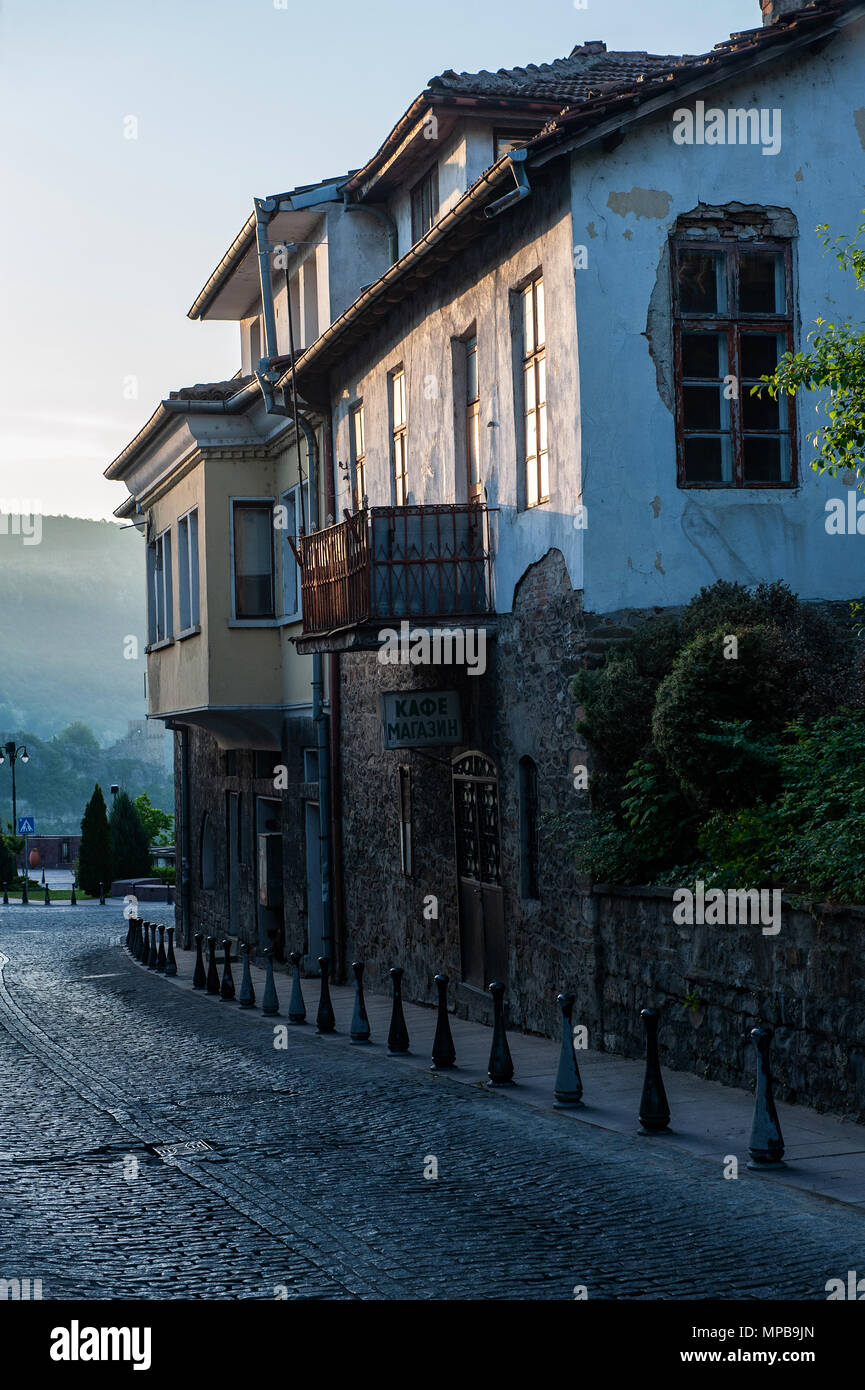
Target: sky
<point x="134" y="138"/>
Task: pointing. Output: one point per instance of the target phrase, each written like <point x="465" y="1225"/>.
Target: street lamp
<point x="10" y="751"/>
<point x="13" y="754"/>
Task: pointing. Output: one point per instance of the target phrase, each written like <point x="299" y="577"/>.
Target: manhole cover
<point x="183" y="1148"/>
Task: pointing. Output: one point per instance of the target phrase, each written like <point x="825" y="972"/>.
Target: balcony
<point x="386" y="564"/>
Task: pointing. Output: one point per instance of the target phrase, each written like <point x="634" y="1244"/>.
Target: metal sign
<point x="421" y="718"/>
<point x="26" y="825"/>
<point x="182" y="1149"/>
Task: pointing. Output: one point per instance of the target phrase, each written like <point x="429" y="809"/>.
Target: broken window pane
<point x="702" y="282"/>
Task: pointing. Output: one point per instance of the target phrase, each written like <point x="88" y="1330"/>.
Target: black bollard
<point x="130" y="924"/>
<point x="654" y="1110"/>
<point x="444" y="1054"/>
<point x="153" y="958"/>
<point x="199" y="975"/>
<point x="101" y="893"/>
<point x="270" y="1003"/>
<point x="24" y="895"/>
<point x="226" y="990"/>
<point x="161" y="958"/>
<point x="569" y="1086"/>
<point x="296" y="1006"/>
<point x="501" y="1067"/>
<point x="212" y="972"/>
<point x="73" y="901"/>
<point x="767" y="1143"/>
<point x="133" y="936"/>
<point x="246" y="997"/>
<point x="360" y="1029"/>
<point x="397" y="1038"/>
<point x="5" y="895"/>
<point x="47" y="896"/>
<point x="170" y="959"/>
<point x="144" y="953"/>
<point x="325" y="1022"/>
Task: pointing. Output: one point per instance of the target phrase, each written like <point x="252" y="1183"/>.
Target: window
<point x="399" y="446"/>
<point x="207" y="858"/>
<point x="472" y="422"/>
<point x="732" y="314"/>
<point x="358" y="458"/>
<point x="537" y="473"/>
<point x="506" y="140"/>
<point x="187" y="570"/>
<point x="405" y="848"/>
<point x="160" y="616"/>
<point x="294" y="520"/>
<point x="424" y="203"/>
<point x="253" y="559"/>
<point x="529" y="829"/>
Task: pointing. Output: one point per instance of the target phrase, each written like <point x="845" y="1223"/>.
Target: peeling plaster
<point x="655" y="504"/>
<point x="590" y="228"/>
<point x="642" y="202"/>
<point x="859" y="121"/>
<point x="798" y="176"/>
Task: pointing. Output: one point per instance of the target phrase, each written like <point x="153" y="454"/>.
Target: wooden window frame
<point x="530" y="361"/>
<point x="731" y="324"/>
<point x="421" y="219"/>
<point x="474" y="490"/>
<point x="399" y="440"/>
<point x="358" y="457"/>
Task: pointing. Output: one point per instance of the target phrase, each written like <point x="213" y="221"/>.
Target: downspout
<point x="264" y="210"/>
<point x="338" y="887"/>
<point x="185" y="877"/>
<point x="516" y="195"/>
<point x="392" y="241"/>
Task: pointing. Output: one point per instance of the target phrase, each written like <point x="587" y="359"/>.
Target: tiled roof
<point x="589" y="70"/>
<point x="211" y="390"/>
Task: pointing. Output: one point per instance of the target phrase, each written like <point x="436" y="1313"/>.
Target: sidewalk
<point x="824" y="1155"/>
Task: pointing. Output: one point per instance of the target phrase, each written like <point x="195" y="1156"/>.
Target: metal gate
<point x="476" y="829"/>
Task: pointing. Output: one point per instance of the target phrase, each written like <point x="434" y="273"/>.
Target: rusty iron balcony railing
<point x="389" y="563"/>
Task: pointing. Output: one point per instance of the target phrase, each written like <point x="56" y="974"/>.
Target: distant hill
<point x="66" y="606"/>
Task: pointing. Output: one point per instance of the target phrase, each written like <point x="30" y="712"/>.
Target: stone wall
<point x="625" y="953"/>
<point x="521" y="707"/>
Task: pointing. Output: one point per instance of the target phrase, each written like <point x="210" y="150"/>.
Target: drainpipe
<point x="186" y="920"/>
<point x="264" y="210"/>
<point x="392" y="246"/>
<point x="516" y="195"/>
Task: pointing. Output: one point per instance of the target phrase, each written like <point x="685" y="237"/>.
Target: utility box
<point x="270" y="869"/>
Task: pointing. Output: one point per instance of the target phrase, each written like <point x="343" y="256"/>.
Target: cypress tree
<point x="130" y="843"/>
<point x="94" y="854"/>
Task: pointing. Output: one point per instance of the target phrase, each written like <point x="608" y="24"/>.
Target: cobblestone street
<point x="316" y="1185"/>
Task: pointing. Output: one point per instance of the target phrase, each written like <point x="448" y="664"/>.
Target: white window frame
<point x="290" y="499"/>
<point x="235" y="621"/>
<point x="160" y="591"/>
<point x="188" y="573"/>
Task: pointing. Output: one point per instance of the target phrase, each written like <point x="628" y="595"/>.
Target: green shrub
<point x="706" y="690"/>
<point x="722" y="604"/>
<point x="618" y="700"/>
